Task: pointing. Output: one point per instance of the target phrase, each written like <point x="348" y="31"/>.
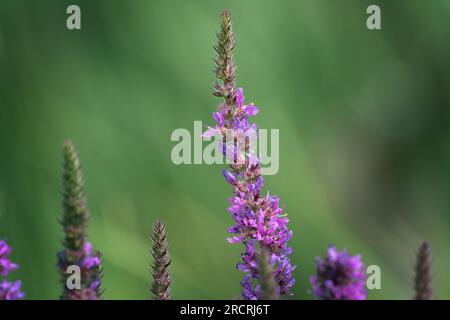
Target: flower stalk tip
<point x="225" y="69"/>
<point x="424" y="276"/>
<point x="160" y="268"/>
<point x="75" y="213"/>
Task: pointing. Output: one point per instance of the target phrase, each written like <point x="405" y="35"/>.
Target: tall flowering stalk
<point x="260" y="222"/>
<point x="8" y="290"/>
<point x="77" y="250"/>
<point x="339" y="277"/>
<point x="424" y="276"/>
<point x="160" y="268"/>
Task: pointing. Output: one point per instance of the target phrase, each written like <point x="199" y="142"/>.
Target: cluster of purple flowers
<point x="8" y="290"/>
<point x="90" y="259"/>
<point x="339" y="276"/>
<point x="259" y="218"/>
<point x="89" y="263"/>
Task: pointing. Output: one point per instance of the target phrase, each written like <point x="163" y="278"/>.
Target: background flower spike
<point x="160" y="268"/>
<point x="269" y="288"/>
<point x="424" y="275"/>
<point x="339" y="276"/>
<point x="77" y="251"/>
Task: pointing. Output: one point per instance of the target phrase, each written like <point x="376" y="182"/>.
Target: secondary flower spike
<point x="77" y="251"/>
<point x="160" y="267"/>
<point x="339" y="276"/>
<point x="260" y="222"/>
<point x="424" y="276"/>
<point x="8" y="290"/>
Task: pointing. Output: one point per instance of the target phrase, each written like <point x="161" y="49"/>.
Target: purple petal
<point x="211" y="132"/>
<point x="251" y="109"/>
<point x="240" y="97"/>
<point x="235" y="239"/>
<point x="218" y="116"/>
<point x="231" y="179"/>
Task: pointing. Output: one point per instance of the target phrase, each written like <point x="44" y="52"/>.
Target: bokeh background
<point x="363" y="118"/>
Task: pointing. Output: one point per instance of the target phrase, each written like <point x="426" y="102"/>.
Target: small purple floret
<point x="6" y="266"/>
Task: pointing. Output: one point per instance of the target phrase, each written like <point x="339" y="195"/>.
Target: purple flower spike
<point x="10" y="290"/>
<point x="260" y="223"/>
<point x="339" y="277"/>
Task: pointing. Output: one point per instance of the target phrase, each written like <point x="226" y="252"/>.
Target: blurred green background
<point x="363" y="118"/>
